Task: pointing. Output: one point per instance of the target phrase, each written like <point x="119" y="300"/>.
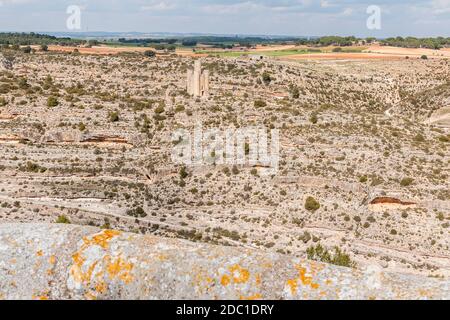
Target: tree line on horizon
<point x="26" y="39"/>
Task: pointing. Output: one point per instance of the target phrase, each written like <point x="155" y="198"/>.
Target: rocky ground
<point x="87" y="140"/>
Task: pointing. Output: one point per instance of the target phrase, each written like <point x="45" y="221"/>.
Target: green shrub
<point x="312" y="204"/>
<point x="338" y="257"/>
<point x="266" y="78"/>
<point x="114" y="116"/>
<point x="406" y="182"/>
<point x="183" y="173"/>
<point x="63" y="219"/>
<point x="260" y="104"/>
<point x="52" y="101"/>
<point x="314" y="118"/>
<point x="149" y="53"/>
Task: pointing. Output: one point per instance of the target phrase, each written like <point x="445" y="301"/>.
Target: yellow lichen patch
<point x="225" y="280"/>
<point x="90" y="296"/>
<point x="253" y="297"/>
<point x="101" y="287"/>
<point x="102" y="239"/>
<point x="258" y="279"/>
<point x="425" y="293"/>
<point x="304" y="279"/>
<point x="239" y="274"/>
<point x="40" y="296"/>
<point x="162" y="257"/>
<point x="119" y="269"/>
<point x="76" y="271"/>
<point x="52" y="259"/>
<point x="293" y="285"/>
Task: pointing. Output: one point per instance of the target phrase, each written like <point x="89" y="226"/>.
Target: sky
<point x="419" y="18"/>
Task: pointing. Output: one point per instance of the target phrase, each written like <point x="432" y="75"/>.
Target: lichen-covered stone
<point x="41" y="261"/>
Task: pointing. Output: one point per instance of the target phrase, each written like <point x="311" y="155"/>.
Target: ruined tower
<point x="198" y="81"/>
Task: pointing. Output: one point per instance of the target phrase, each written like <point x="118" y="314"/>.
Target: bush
<point x="312" y="204"/>
<point x="150" y="53"/>
<point x="314" y="118"/>
<point x="266" y="78"/>
<point x="260" y="104"/>
<point x="419" y="138"/>
<point x="138" y="212"/>
<point x="337" y="49"/>
<point x="183" y="173"/>
<point x="424" y="57"/>
<point x="338" y="257"/>
<point x="27" y="49"/>
<point x="114" y="116"/>
<point x="52" y="101"/>
<point x="63" y="219"/>
<point x="406" y="182"/>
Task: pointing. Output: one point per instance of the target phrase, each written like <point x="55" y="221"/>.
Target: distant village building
<point x="198" y="81"/>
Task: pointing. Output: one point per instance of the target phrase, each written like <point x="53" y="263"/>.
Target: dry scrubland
<point x="364" y="165"/>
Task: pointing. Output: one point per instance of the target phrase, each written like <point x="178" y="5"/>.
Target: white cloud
<point x="158" y="6"/>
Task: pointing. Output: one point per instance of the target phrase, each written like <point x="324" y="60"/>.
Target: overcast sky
<point x="276" y="17"/>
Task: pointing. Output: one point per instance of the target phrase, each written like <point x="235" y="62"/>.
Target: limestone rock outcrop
<point x="42" y="261"/>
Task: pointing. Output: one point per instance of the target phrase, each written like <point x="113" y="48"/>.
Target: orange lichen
<point x="119" y="269"/>
<point x="39" y="253"/>
<point x="52" y="259"/>
<point x="292" y="283"/>
<point x="77" y="269"/>
<point x="253" y="297"/>
<point x="258" y="279"/>
<point x="101" y="287"/>
<point x="225" y="280"/>
<point x="40" y="296"/>
<point x="239" y="274"/>
<point x="102" y="239"/>
<point x="162" y="257"/>
<point x="304" y="279"/>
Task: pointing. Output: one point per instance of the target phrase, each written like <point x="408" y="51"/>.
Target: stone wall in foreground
<point x="40" y="261"/>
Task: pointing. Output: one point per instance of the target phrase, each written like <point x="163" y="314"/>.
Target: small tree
<point x="266" y="78"/>
<point x="314" y="118"/>
<point x="260" y="104"/>
<point x="406" y="182"/>
<point x="52" y="101"/>
<point x="150" y="53"/>
<point x="114" y="116"/>
<point x="312" y="204"/>
<point x="63" y="219"/>
<point x="26" y="49"/>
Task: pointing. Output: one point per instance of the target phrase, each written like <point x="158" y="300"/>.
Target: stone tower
<point x="198" y="81"/>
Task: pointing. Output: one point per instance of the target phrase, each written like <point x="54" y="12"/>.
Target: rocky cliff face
<point x="41" y="261"/>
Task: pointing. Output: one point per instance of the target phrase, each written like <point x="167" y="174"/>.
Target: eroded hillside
<point x="87" y="140"/>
